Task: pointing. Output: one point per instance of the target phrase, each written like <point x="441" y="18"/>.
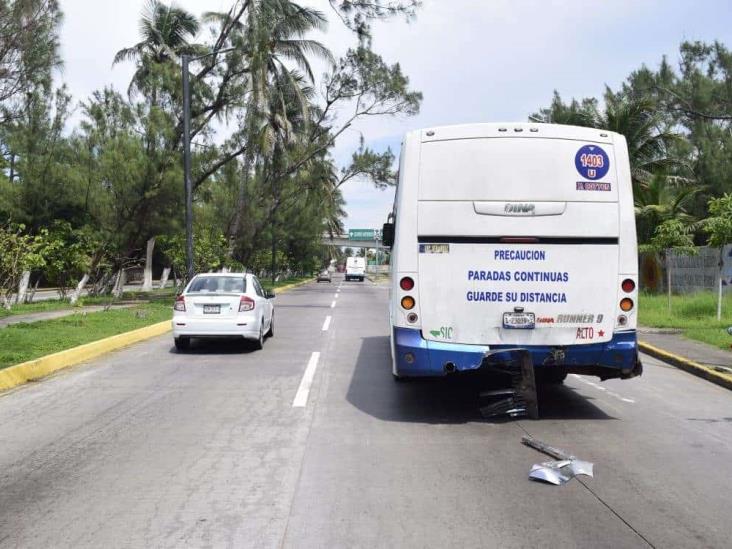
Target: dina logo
<point x="515" y="208"/>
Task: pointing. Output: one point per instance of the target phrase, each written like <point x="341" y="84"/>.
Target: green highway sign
<point x="362" y="234"/>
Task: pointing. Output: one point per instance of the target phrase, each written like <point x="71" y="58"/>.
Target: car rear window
<point x="218" y="285"/>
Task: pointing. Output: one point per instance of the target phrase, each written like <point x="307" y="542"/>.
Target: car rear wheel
<point x="182" y="343"/>
<point x="259" y="342"/>
<point x="270" y="332"/>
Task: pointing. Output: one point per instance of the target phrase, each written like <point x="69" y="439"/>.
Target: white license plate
<point x="519" y="321"/>
<point x="211" y="309"/>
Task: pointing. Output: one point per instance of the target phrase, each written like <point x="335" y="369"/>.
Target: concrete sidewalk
<point x="51" y="315"/>
<point x="677" y="344"/>
<point x="694" y="357"/>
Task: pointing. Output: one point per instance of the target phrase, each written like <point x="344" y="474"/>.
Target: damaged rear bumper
<point x="415" y="356"/>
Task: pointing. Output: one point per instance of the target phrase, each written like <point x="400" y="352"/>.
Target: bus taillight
<point x="626" y="304"/>
<point x="408" y="303"/>
<point x="628" y="285"/>
<point x="406" y="283"/>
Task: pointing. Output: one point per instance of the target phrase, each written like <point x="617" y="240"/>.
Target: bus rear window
<point x="517" y="168"/>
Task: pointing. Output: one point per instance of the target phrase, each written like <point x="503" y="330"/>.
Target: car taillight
<point x="246" y="304"/>
<point x="628" y="285"/>
<point x="626" y="304"/>
<point x="180" y="304"/>
<point x="406" y="283"/>
<point x="408" y="302"/>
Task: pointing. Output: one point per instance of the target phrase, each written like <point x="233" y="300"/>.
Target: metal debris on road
<point x="552" y="472"/>
<point x="556" y="472"/>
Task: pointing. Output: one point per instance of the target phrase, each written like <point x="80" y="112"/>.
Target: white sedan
<point x="216" y="305"/>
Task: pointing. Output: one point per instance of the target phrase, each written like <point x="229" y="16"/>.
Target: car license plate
<point x="211" y="309"/>
<point x="519" y="321"/>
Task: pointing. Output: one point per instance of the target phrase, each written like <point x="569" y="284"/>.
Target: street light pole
<point x="185" y="59"/>
<point x="185" y="62"/>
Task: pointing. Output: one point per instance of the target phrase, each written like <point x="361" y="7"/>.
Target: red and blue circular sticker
<point x="592" y="162"/>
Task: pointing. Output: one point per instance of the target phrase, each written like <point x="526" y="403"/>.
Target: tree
<point x="661" y="199"/>
<point x="673" y="235"/>
<point x="650" y="141"/>
<point x="719" y="228"/>
<point x="210" y="251"/>
<point x="166" y="33"/>
<point x="111" y="188"/>
<point x="358" y="15"/>
<point x="19" y="253"/>
<point x="29" y="47"/>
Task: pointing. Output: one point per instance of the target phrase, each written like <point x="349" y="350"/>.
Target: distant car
<point x="324" y="276"/>
<point x="220" y="305"/>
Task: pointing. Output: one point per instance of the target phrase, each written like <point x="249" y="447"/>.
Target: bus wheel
<point x="553" y="376"/>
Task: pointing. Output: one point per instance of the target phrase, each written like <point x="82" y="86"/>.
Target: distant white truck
<point x="356" y="268"/>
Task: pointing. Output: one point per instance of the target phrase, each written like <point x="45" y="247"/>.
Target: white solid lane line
<point x="603" y="389"/>
<point x="332" y="305"/>
<point x="326" y="324"/>
<point x="301" y="398"/>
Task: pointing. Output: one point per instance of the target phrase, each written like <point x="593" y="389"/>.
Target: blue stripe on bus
<point x="429" y="357"/>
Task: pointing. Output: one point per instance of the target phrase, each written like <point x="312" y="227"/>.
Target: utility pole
<point x="185" y="64"/>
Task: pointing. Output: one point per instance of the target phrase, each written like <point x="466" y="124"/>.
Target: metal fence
<point x="689" y="274"/>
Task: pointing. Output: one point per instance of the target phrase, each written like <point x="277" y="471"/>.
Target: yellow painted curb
<point x="688" y="365"/>
<point x="291" y="286"/>
<point x="35" y="369"/>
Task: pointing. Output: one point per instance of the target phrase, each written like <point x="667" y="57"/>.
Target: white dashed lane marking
<point x="326" y="324"/>
<point x="603" y="389"/>
<point x="301" y="397"/>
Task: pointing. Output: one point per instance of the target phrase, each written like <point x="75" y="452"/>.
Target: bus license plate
<point x="519" y="321"/>
<point x="211" y="309"/>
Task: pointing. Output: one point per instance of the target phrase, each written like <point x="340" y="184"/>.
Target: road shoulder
<point x="696" y="358"/>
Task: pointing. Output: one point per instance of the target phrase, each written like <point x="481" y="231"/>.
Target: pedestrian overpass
<point x="343" y="240"/>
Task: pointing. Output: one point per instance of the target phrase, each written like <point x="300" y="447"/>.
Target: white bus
<point x="512" y="236"/>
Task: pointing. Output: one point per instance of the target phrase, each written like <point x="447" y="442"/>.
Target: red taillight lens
<point x="406" y="283"/>
<point x="180" y="304"/>
<point x="628" y="285"/>
<point x="246" y="304"/>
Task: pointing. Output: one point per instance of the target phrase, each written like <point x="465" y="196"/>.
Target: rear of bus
<point x="514" y="236"/>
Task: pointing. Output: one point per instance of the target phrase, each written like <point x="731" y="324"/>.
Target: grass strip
<point x="27" y="341"/>
<point x="694" y="314"/>
<point x="268" y="285"/>
<point x="166" y="295"/>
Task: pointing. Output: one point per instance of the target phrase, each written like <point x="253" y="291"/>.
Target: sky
<point x="474" y="60"/>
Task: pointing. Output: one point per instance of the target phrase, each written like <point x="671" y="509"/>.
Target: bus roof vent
<point x="533" y="130"/>
<point x="518" y="129"/>
<point x="502" y="129"/>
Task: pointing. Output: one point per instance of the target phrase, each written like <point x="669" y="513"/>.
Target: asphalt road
<point x="149" y="448"/>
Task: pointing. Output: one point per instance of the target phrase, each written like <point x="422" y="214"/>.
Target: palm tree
<point x="166" y="32"/>
<point x="279" y="98"/>
<point x="649" y="140"/>
<point x="662" y="199"/>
